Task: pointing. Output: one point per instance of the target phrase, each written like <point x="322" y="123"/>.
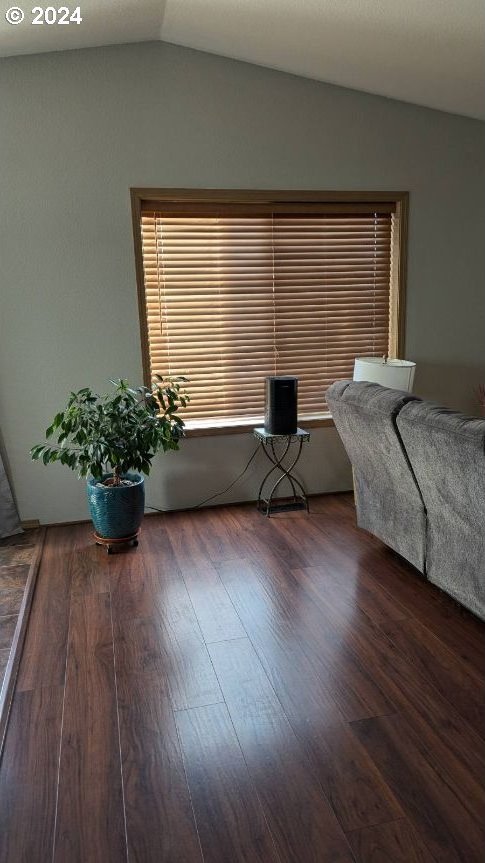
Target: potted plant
<point x="112" y="440"/>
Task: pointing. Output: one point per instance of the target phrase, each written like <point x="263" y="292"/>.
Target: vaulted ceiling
<point x="430" y="52"/>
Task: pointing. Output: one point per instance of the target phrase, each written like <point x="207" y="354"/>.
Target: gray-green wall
<point x="78" y="128"/>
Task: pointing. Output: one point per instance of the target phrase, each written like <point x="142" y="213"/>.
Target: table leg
<point x="286" y="473"/>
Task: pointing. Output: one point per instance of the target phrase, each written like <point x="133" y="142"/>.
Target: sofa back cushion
<point x="447" y="452"/>
<point x="388" y="501"/>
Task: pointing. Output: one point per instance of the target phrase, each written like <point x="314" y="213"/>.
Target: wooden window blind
<point x="235" y="292"/>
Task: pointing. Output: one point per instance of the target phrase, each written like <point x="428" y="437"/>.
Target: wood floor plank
<point x="89" y="572"/>
<point x="459" y="751"/>
<point x="215" y="612"/>
<point x="186" y="662"/>
<point x="349" y="778"/>
<point x="139" y="646"/>
<point x="166" y="636"/>
<point x="436" y="724"/>
<point x="395" y="842"/>
<point x="262" y="540"/>
<point x="352" y="586"/>
<point x="286" y="608"/>
<point x="135" y="581"/>
<point x="462" y="686"/>
<point x="458" y="628"/>
<point x="311" y="541"/>
<point x="458" y="763"/>
<point x="186" y="538"/>
<point x="28" y="776"/>
<point x="173" y="647"/>
<point x="215" y="541"/>
<point x="448" y="829"/>
<point x="300" y="818"/>
<point x="229" y="816"/>
<point x="90" y="819"/>
<point x="143" y="579"/>
<point x="159" y="818"/>
<point x="44" y="655"/>
<point x="438" y="730"/>
<point x="437" y="727"/>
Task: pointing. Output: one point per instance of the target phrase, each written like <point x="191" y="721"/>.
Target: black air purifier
<point x="281" y="414"/>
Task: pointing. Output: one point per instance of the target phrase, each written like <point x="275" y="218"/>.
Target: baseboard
<point x="30" y="524"/>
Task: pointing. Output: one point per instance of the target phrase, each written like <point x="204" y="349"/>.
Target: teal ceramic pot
<point x="117" y="511"/>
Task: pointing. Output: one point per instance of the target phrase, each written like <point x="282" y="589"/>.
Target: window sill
<point x="192" y="429"/>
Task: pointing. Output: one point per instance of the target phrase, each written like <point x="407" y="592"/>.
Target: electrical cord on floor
<point x="218" y="493"/>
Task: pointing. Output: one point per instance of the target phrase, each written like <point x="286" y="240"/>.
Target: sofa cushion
<point x="388" y="501"/>
<point x="447" y="452"/>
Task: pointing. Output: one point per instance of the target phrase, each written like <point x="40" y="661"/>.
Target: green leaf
<point x="123" y="428"/>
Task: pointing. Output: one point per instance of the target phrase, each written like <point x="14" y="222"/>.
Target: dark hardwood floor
<point x="242" y="689"/>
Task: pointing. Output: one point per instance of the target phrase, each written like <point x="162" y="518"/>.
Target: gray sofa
<point x="419" y="477"/>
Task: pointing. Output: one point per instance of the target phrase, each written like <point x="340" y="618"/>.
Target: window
<point x="235" y="286"/>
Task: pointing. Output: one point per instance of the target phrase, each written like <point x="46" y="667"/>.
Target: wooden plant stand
<point x="109" y="544"/>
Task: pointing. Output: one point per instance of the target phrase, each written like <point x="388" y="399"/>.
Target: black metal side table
<point x="282" y="470"/>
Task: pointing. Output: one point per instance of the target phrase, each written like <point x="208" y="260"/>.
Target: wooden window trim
<point x="143" y="199"/>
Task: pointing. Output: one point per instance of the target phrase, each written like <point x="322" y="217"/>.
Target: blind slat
<point x="233" y="295"/>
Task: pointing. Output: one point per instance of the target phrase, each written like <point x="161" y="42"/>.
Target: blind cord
<point x="217" y="494"/>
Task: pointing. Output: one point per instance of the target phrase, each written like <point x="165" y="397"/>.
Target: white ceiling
<point x="431" y="52"/>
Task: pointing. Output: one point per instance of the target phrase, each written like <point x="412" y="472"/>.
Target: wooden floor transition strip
<point x="15" y="558"/>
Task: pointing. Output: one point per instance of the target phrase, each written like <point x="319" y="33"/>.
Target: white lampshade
<point x="396" y="374"/>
